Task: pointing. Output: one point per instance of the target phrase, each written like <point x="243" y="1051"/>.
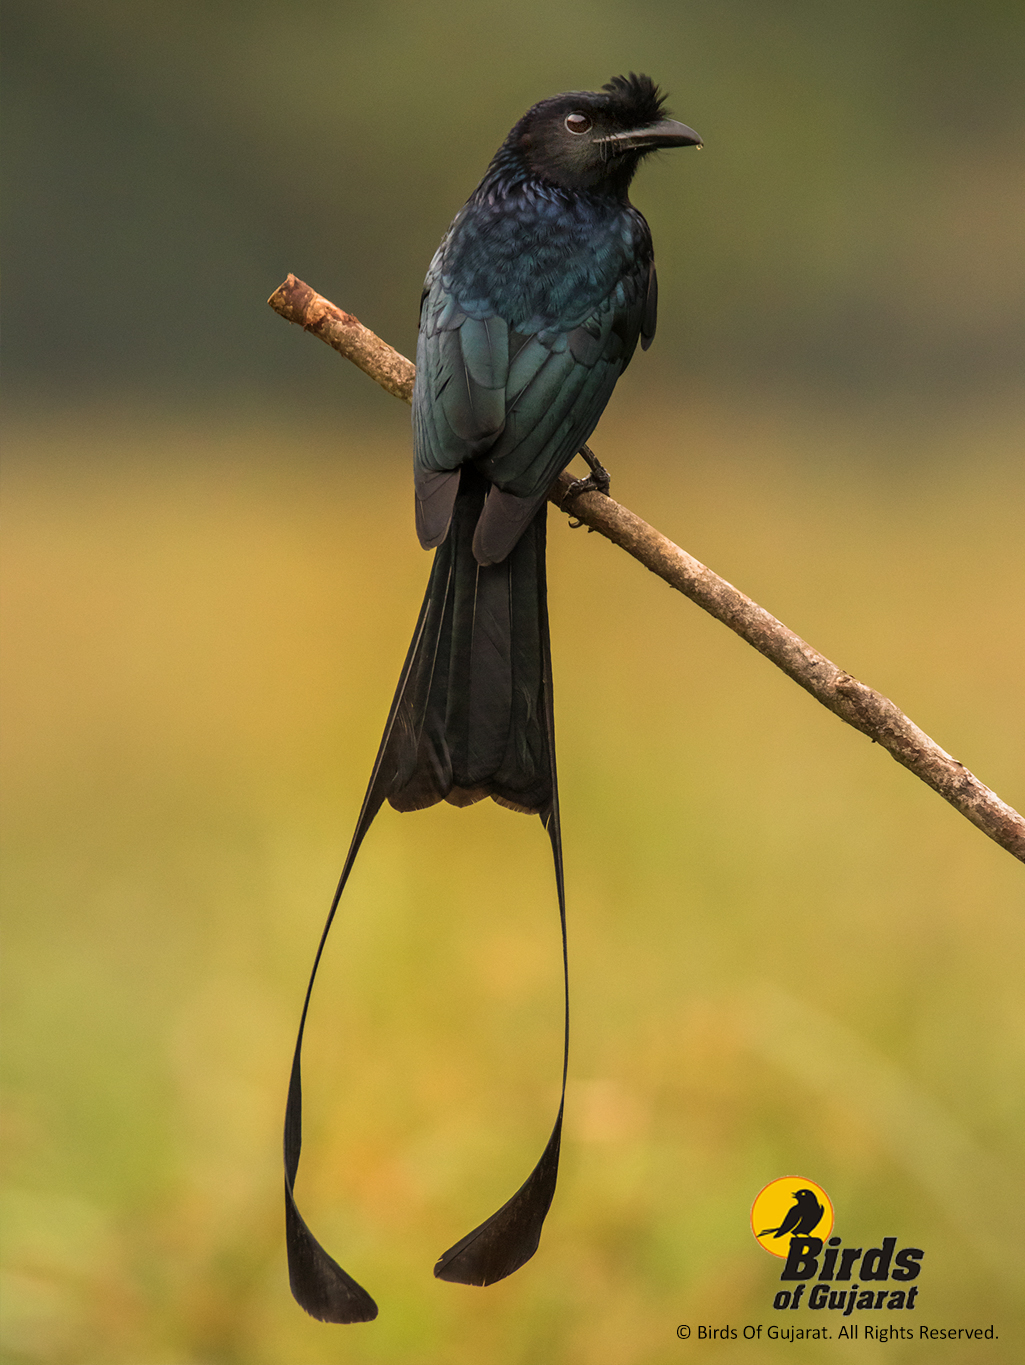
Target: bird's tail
<point x="472" y="717"/>
<point x="472" y="713"/>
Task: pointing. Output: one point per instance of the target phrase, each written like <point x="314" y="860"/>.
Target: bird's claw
<point x="598" y="481"/>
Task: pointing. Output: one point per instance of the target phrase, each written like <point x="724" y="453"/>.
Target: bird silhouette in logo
<point x="801" y="1219"/>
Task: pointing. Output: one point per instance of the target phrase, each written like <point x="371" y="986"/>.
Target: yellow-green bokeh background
<point x="787" y="954"/>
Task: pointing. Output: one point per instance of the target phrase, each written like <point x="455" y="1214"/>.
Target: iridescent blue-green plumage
<point x="531" y="310"/>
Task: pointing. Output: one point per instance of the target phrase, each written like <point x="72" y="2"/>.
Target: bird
<point x="803" y="1218"/>
<point x="531" y="310"/>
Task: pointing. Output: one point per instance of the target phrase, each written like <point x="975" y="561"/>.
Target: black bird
<point x="532" y="309"/>
<point x="803" y="1218"/>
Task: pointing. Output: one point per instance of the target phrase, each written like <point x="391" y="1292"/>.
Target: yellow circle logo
<point x="790" y="1207"/>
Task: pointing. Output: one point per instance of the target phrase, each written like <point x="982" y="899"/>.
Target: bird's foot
<point x="598" y="481"/>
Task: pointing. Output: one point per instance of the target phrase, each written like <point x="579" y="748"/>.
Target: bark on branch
<point x="860" y="706"/>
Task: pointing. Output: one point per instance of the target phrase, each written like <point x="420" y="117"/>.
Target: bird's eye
<point x="577" y="123"/>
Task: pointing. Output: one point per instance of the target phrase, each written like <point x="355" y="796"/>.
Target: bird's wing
<point x="462" y="365"/>
<point x="453" y="414"/>
<point x="519" y="403"/>
<point x="790" y="1221"/>
<point x="650" y="309"/>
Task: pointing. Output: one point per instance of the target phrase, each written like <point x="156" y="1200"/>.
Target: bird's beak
<point x="666" y="133"/>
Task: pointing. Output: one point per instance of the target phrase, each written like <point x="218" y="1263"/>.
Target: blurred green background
<point x="788" y="955"/>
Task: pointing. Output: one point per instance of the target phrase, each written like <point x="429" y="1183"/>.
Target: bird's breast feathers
<point x="538" y="258"/>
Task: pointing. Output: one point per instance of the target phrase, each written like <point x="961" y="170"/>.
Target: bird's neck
<point x="510" y="174"/>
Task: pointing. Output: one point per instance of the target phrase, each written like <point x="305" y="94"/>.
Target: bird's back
<point x="532" y="309"/>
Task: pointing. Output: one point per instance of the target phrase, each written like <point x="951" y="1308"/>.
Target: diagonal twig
<point x="860" y="706"/>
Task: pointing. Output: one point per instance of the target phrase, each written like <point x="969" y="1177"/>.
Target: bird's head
<point x="595" y="139"/>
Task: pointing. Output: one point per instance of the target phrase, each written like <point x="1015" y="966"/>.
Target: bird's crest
<point x="639" y="97"/>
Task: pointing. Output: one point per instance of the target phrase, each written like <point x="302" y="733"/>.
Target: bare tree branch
<point x="860" y="706"/>
<point x="297" y="302"/>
